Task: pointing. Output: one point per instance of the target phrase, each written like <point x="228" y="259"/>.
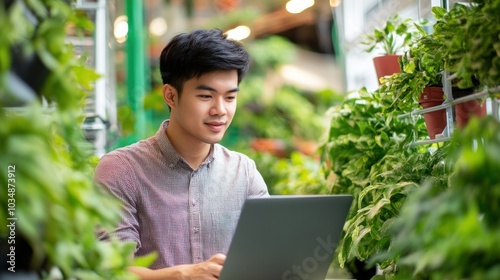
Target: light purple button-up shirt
<point x="184" y="215"/>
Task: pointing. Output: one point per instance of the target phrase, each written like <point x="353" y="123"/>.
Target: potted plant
<point x="384" y="182"/>
<point x="420" y="82"/>
<point x="391" y="41"/>
<point x="468" y="33"/>
<point x="368" y="156"/>
<point x="449" y="229"/>
<point x="466" y="110"/>
<point x="445" y="49"/>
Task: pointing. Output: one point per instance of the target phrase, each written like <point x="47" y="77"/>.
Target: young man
<point x="181" y="191"/>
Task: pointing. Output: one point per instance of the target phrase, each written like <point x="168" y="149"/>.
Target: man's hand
<point x="207" y="270"/>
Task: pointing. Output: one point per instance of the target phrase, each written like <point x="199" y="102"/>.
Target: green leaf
<point x="85" y="76"/>
<point x="145" y="261"/>
<point x="438" y="12"/>
<point x="389" y="27"/>
<point x="376" y="208"/>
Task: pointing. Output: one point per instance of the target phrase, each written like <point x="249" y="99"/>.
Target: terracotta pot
<point x="435" y="122"/>
<point x="276" y="147"/>
<point x="305" y="147"/>
<point x="386" y="65"/>
<point x="465" y="111"/>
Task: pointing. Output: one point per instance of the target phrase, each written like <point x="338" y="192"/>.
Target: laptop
<point x="286" y="237"/>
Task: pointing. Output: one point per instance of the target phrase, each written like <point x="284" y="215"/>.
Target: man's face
<point x="206" y="106"/>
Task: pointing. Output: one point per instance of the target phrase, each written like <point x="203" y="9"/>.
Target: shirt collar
<point x="172" y="157"/>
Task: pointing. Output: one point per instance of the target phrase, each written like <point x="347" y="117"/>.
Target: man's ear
<point x="169" y="95"/>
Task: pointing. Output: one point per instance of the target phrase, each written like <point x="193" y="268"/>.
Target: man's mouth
<point x="216" y="126"/>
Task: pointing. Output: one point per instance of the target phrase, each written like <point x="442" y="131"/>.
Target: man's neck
<point x="194" y="152"/>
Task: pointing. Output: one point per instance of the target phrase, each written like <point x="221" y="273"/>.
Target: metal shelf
<point x="431" y="141"/>
<point x="96" y="48"/>
<point x="448" y="104"/>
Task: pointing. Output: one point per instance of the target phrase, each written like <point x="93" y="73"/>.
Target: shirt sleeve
<point x="115" y="175"/>
<point x="257" y="185"/>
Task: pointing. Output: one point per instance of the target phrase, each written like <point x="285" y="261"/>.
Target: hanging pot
<point x="386" y="65"/>
<point x="465" y="111"/>
<point x="435" y="122"/>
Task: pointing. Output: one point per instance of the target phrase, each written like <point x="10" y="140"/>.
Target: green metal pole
<point x="136" y="65"/>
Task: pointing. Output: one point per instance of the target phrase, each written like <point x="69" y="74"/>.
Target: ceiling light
<point x="158" y="26"/>
<point x="239" y="33"/>
<point x="120" y="29"/>
<point x="297" y="6"/>
<point x="334" y="3"/>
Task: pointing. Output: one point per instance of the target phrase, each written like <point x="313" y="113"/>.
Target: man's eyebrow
<point x="209" y="88"/>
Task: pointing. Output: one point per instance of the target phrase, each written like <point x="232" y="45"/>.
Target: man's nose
<point x="218" y="107"/>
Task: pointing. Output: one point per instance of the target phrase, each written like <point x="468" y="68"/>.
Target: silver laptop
<point x="286" y="237"/>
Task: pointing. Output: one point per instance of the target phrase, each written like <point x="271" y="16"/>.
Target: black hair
<point x="190" y="55"/>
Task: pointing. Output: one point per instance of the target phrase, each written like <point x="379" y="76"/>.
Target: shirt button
<point x="196" y="230"/>
<point x="171" y="165"/>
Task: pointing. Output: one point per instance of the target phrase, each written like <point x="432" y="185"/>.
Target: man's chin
<point x="214" y="140"/>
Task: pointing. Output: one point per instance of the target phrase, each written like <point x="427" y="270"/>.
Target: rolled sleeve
<point x="116" y="176"/>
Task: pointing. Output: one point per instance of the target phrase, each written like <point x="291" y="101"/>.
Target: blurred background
<point x="307" y="54"/>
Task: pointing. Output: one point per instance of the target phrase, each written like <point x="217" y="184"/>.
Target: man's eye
<point x="205" y="96"/>
<point x="231" y="98"/>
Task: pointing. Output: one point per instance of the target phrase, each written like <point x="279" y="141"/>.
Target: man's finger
<point x="218" y="258"/>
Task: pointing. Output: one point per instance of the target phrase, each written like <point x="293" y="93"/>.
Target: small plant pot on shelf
<point x="435" y="122"/>
<point x="465" y="111"/>
<point x="276" y="147"/>
<point x="386" y="65"/>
